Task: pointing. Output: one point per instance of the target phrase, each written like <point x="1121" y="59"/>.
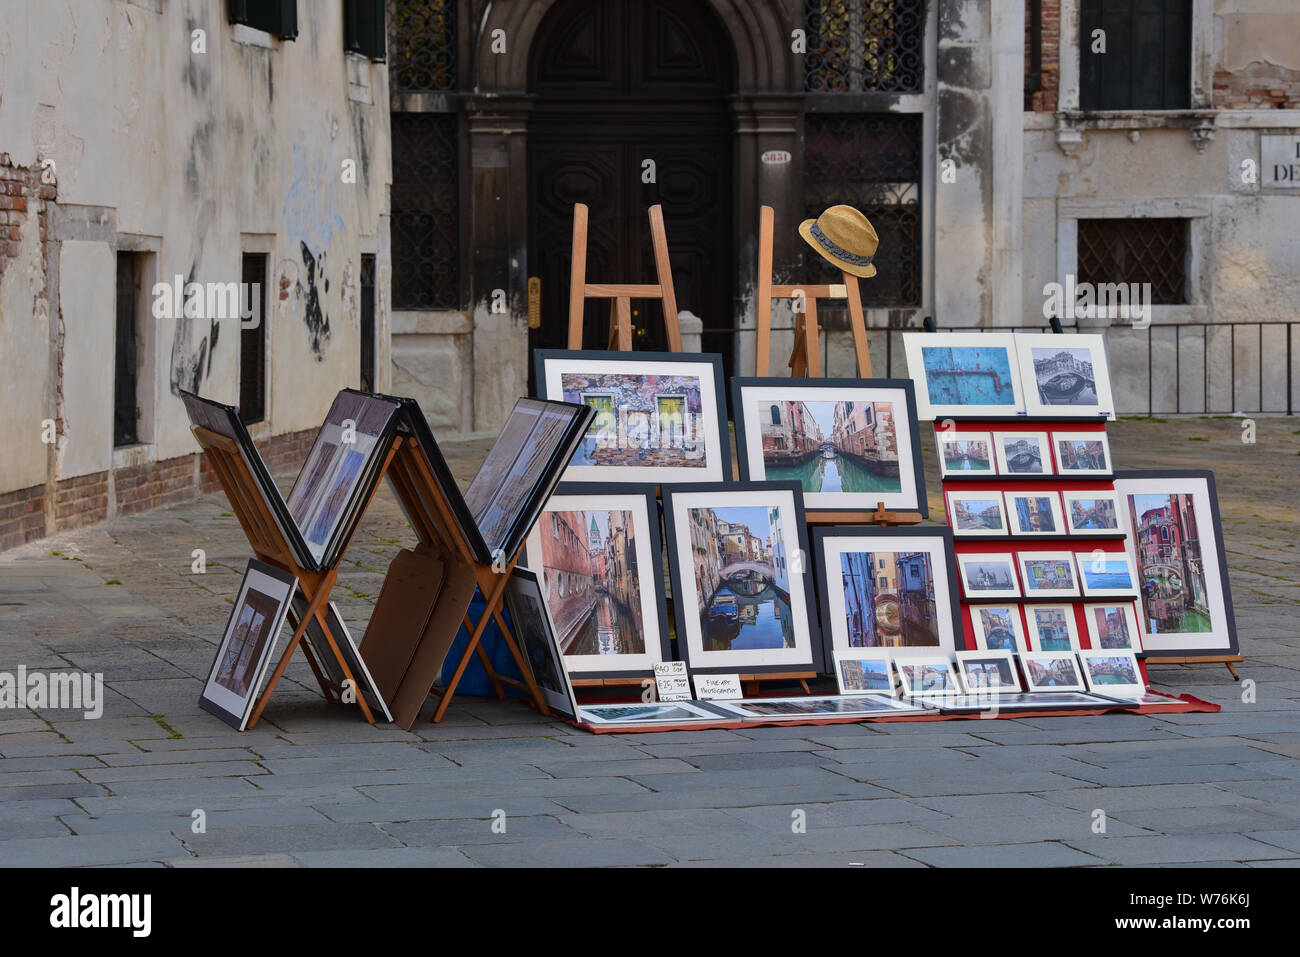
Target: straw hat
<point x="843" y="237"/>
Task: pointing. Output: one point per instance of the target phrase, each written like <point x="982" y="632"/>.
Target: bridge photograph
<point x="1064" y="377"/>
<point x="741" y="579"/>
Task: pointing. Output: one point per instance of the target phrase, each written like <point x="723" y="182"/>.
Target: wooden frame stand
<point x="1226" y="660"/>
<point x="620" y="295"/>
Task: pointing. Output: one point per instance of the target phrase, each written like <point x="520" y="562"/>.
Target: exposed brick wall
<point x="22" y="194"/>
<point x="81" y="501"/>
<point x="22" y="516"/>
<point x="1045" y="99"/>
<point x="1260" y="86"/>
<point x="139" y="488"/>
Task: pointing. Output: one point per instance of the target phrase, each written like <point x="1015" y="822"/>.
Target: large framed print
<point x="245" y="650"/>
<point x="1065" y="375"/>
<point x="976" y="513"/>
<point x="534" y="630"/>
<point x="887" y="589"/>
<point x="1176" y="539"/>
<point x="660" y="417"/>
<point x="743" y="601"/>
<point x="850" y="443"/>
<point x="964" y="374"/>
<point x="598" y="552"/>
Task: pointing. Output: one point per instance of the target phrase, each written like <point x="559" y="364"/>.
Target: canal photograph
<point x="832" y="446"/>
<point x="741" y="580"/>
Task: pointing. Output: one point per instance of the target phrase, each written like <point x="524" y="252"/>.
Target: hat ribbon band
<point x="835" y="250"/>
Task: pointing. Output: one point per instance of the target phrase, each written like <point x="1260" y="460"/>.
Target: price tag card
<point x="717" y="687"/>
<point x="671" y="682"/>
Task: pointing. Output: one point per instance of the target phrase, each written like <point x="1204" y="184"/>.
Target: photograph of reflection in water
<point x="831" y="446"/>
<point x="741" y="578"/>
<point x="889" y="599"/>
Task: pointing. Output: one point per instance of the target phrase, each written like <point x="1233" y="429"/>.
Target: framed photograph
<point x="1052" y="628"/>
<point x="1113" y="673"/>
<point x="743" y="601"/>
<point x="1082" y="453"/>
<point x="1065" y="375"/>
<point x="1053" y="701"/>
<point x="597" y="550"/>
<point x="1048" y="574"/>
<point x="1112" y="627"/>
<point x="1035" y="513"/>
<point x="992" y="671"/>
<point x="1107" y="573"/>
<point x="965" y="454"/>
<point x="1092" y="513"/>
<point x="850" y="443"/>
<point x="863" y="672"/>
<point x="245" y="650"/>
<point x="970" y="374"/>
<point x="534" y="630"/>
<point x="654" y="713"/>
<point x="320" y="648"/>
<point x="990" y="575"/>
<point x="1052" y="671"/>
<point x="795" y="709"/>
<point x="1022" y="453"/>
<point x="975" y="514"/>
<point x="997" y="628"/>
<point x="1175" y="537"/>
<point x="922" y="676"/>
<point x="886" y="588"/>
<point x="660" y="417"/>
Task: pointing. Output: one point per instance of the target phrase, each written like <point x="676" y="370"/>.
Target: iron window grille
<point x="1147" y="63"/>
<point x="363" y="28"/>
<point x="422" y="46"/>
<point x="873" y="163"/>
<point x="252" y="339"/>
<point x="1136" y="251"/>
<point x="425" y="223"/>
<point x="857" y="46"/>
<point x="277" y="17"/>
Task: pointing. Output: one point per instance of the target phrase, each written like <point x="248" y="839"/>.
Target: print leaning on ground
<point x="742" y="583"/>
<point x="641" y="420"/>
<point x="831" y="446"/>
<point x="1171" y="570"/>
<point x="889" y="599"/>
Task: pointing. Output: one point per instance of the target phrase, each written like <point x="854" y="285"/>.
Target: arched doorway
<point x="614" y="84"/>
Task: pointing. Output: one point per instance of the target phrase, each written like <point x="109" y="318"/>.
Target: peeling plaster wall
<point x="194" y="149"/>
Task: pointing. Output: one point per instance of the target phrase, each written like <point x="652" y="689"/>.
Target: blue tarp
<point x="475" y="680"/>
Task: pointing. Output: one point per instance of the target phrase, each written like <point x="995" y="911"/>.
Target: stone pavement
<point x="313" y="785"/>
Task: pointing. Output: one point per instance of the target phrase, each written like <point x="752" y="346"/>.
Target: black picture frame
<point x="536" y="639"/>
<point x="816" y="660"/>
<point x="950" y="602"/>
<point x="542" y="356"/>
<point x="792" y="386"/>
<point x="655" y="580"/>
<point x="1230" y="620"/>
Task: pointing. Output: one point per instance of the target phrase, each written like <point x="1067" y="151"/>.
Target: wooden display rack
<point x="269" y="546"/>
<point x="620" y="295"/>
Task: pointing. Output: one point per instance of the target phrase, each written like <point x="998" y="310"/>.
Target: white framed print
<point x="998" y="628"/>
<point x="965" y="453"/>
<point x="640" y="713"/>
<point x="1107" y="573"/>
<point x="1175" y="536"/>
<point x="989" y="671"/>
<point x="886" y="589"/>
<point x="851" y="443"/>
<point x="1081" y="453"/>
<point x="1065" y="375"/>
<point x="964" y="373"/>
<point x="988" y="575"/>
<point x="743" y="595"/>
<point x="1092" y="513"/>
<point x="1052" y="671"/>
<point x="1112" y="627"/>
<point x="863" y="672"/>
<point x="1035" y="513"/>
<point x="1022" y="453"/>
<point x="1052" y="627"/>
<point x="1048" y="574"/>
<point x="660" y="416"/>
<point x="923" y="676"/>
<point x="977" y="513"/>
<point x="1113" y="673"/>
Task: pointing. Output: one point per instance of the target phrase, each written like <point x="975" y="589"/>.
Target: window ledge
<point x="253" y="37"/>
<point x="127" y="456"/>
<point x="1071" y="124"/>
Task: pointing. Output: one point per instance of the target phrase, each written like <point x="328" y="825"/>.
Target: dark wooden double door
<point x="619" y="83"/>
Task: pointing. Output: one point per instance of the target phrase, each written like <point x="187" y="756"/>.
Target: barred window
<point x="871" y="162"/>
<point x="857" y="46"/>
<point x="1136" y="251"/>
<point x="421" y="46"/>
<point x="425" y="224"/>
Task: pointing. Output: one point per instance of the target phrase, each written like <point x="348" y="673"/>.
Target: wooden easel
<point x="805" y="359"/>
<point x="1226" y="660"/>
<point x="620" y="295"/>
<point x="269" y="546"/>
<point x="413" y="482"/>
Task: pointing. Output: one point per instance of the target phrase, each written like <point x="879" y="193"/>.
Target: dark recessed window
<point x="1136" y="251"/>
<point x="277" y="17"/>
<point x="126" y="363"/>
<point x="1147" y="58"/>
<point x="363" y="28"/>
<point x="368" y="379"/>
<point x="425" y="200"/>
<point x="252" y="339"/>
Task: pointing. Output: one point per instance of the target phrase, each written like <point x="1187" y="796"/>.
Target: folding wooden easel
<point x="620" y="295"/>
<point x="269" y="546"/>
<point x="413" y="482"/>
<point x="805" y="358"/>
